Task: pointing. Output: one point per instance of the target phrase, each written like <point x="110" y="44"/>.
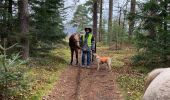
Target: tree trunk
<point x="100" y="24"/>
<point x="10" y="15"/>
<point x="152" y="30"/>
<point x="119" y="33"/>
<point x="9" y="24"/>
<point x="125" y="13"/>
<point x="110" y="21"/>
<point x="165" y="28"/>
<point x="23" y="19"/>
<point x="131" y="20"/>
<point x="95" y="7"/>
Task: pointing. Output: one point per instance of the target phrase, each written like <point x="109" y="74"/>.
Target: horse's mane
<point x="74" y="37"/>
<point x="74" y="34"/>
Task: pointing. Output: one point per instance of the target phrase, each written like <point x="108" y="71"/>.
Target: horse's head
<point x="77" y="39"/>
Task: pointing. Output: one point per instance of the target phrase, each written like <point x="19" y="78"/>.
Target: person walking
<point x="87" y="44"/>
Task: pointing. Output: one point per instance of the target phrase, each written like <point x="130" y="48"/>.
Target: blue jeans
<point x="88" y="53"/>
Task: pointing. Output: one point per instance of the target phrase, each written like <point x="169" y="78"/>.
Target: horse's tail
<point x="151" y="76"/>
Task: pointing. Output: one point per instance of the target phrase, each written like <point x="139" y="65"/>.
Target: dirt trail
<point x="78" y="83"/>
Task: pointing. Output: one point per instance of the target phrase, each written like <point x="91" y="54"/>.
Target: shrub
<point x="12" y="83"/>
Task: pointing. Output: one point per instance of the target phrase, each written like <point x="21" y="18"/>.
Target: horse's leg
<point x="72" y="54"/>
<point x="76" y="50"/>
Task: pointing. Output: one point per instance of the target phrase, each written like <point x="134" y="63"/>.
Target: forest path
<point x="78" y="83"/>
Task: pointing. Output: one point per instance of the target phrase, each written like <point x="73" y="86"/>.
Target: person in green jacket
<point x="87" y="44"/>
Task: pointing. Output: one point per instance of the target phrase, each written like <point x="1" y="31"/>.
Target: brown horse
<point x="74" y="43"/>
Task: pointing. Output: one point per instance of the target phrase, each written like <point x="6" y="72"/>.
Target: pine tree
<point x="153" y="35"/>
<point x="82" y="17"/>
<point x="95" y="18"/>
<point x="24" y="29"/>
<point x="131" y="17"/>
<point x="47" y="20"/>
<point x="110" y="21"/>
<point x="100" y="23"/>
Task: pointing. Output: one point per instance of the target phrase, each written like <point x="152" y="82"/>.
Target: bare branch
<point x="11" y="46"/>
<point x="2" y="47"/>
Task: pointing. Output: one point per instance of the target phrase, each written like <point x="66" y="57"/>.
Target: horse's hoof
<point x="77" y="63"/>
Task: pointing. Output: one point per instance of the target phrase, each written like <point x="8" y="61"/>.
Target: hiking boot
<point x="88" y="66"/>
<point x="83" y="66"/>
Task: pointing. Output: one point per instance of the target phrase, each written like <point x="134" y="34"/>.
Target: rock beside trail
<point x="159" y="88"/>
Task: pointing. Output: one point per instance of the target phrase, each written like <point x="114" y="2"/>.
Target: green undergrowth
<point x="130" y="78"/>
<point x="132" y="86"/>
<point x="44" y="70"/>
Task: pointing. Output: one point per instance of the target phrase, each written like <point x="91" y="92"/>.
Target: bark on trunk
<point x="23" y="18"/>
<point x="110" y="21"/>
<point x="131" y="21"/>
<point x="9" y="15"/>
<point x="101" y="23"/>
<point x="165" y="27"/>
<point x="95" y="7"/>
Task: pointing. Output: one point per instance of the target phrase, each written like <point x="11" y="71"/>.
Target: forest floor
<point x="122" y="83"/>
<point x="78" y="83"/>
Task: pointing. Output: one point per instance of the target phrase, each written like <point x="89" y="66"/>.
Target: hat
<point x="88" y="29"/>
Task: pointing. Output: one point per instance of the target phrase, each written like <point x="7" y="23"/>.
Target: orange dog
<point x="102" y="60"/>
